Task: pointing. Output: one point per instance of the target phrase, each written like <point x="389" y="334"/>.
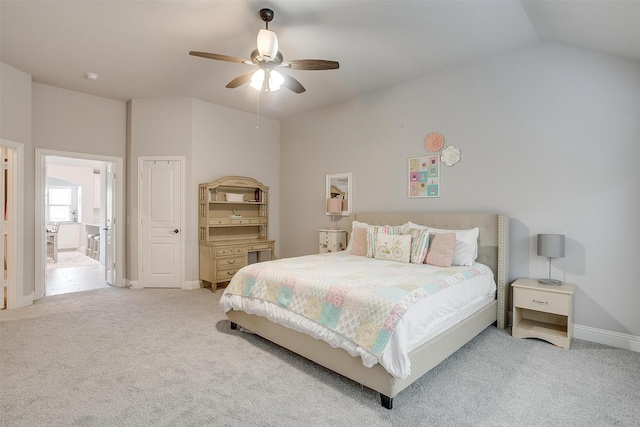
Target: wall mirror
<point x="339" y="188"/>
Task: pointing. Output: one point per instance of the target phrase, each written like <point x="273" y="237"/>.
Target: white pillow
<point x="416" y="226"/>
<point x="466" y="251"/>
<point x="393" y="247"/>
<point x="355" y="224"/>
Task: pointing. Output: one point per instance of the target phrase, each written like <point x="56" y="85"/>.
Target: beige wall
<point x="15" y="125"/>
<point x="216" y="142"/>
<point x="549" y="134"/>
<point x="158" y="127"/>
<point x="218" y="138"/>
<point x="226" y="142"/>
<point x="71" y="121"/>
<point x="41" y="116"/>
<point x="15" y="104"/>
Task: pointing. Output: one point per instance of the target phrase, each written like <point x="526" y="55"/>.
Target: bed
<point x="492" y="251"/>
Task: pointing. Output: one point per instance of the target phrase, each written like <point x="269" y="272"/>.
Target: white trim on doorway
<point x="15" y="227"/>
<point x="40" y="177"/>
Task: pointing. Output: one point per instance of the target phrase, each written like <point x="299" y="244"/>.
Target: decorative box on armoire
<point x="233" y="220"/>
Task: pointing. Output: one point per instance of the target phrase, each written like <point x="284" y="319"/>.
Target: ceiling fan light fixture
<point x="257" y="80"/>
<point x="275" y="80"/>
<point x="266" y="80"/>
<point x="266" y="57"/>
<point x="267" y="44"/>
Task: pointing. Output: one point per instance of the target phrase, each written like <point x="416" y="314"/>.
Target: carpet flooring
<point x="124" y="357"/>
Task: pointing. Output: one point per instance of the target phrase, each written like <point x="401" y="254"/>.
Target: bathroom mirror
<point x="339" y="187"/>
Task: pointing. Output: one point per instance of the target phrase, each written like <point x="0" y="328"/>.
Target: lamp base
<point x="550" y="282"/>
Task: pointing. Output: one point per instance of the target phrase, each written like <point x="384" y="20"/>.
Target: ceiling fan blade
<point x="240" y="80"/>
<point x="220" y="57"/>
<point x="292" y="84"/>
<point x="311" y="64"/>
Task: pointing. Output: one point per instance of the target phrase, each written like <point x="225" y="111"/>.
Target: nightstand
<point x="332" y="240"/>
<point x="543" y="311"/>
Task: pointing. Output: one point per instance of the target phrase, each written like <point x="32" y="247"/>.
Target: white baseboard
<point x="614" y="339"/>
<point x="134" y="284"/>
<point x="24" y="301"/>
<point x="601" y="336"/>
<point x="188" y="285"/>
<point x="191" y="284"/>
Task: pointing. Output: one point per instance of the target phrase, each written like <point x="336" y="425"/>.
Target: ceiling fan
<point x="268" y="59"/>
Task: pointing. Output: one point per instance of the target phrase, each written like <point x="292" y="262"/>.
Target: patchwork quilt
<point x="359" y="298"/>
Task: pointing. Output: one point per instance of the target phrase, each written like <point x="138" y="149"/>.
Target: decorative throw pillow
<point x="393" y="247"/>
<point x="440" y="251"/>
<point x="419" y="243"/>
<point x="354" y="225"/>
<point x="359" y="241"/>
<point x="373" y="230"/>
<point x="466" y="251"/>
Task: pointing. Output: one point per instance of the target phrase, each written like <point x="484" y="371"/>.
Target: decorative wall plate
<point x="450" y="155"/>
<point x="434" y="142"/>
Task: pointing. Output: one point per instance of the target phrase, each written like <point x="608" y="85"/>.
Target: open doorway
<point x="73" y="214"/>
<point x="79" y="201"/>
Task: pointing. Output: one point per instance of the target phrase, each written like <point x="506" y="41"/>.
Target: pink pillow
<point x="441" y="249"/>
<point x="359" y="239"/>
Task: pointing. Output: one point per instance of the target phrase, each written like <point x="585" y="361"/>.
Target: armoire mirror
<point x="339" y="187"/>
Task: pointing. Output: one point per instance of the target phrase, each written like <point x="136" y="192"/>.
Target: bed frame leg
<point x="386" y="401"/>
<point x="234" y="325"/>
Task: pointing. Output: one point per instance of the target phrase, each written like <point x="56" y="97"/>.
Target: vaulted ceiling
<point x="140" y="49"/>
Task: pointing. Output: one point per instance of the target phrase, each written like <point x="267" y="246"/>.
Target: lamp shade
<point x="551" y="245"/>
<point x="267" y="44"/>
<point x="334" y="206"/>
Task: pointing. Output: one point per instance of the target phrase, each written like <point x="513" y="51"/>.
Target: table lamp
<point x="551" y="246"/>
<point x="334" y="209"/>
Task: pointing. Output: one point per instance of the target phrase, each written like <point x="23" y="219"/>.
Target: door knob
<point x="175" y="231"/>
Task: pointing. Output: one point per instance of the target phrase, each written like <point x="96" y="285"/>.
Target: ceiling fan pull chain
<point x="258" y="112"/>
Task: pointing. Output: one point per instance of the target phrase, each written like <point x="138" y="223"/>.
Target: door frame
<point x="141" y="244"/>
<point x="40" y="184"/>
<point x="15" y="227"/>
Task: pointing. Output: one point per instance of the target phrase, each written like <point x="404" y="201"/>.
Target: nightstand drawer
<point x="549" y="302"/>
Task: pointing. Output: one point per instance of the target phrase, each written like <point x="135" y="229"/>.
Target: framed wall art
<point x="424" y="176"/>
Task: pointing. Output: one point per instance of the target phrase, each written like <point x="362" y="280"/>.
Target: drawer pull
<point x="540" y="302"/>
<point x="231" y="262"/>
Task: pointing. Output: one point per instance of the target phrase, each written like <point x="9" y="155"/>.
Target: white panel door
<point x="160" y="222"/>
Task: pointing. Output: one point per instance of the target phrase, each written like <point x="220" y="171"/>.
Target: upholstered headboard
<point x="493" y="241"/>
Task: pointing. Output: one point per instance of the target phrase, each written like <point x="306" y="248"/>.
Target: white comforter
<point x="421" y="322"/>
